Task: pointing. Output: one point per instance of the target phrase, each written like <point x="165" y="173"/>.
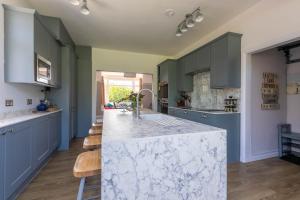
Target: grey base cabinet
<point x="230" y="122"/>
<point x="24" y="149"/>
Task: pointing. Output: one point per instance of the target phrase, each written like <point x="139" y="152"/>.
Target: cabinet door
<point x="202" y="59"/>
<point x="40" y="140"/>
<point x="219" y="72"/>
<point x="171" y="111"/>
<point x="185" y="82"/>
<point x="54" y="49"/>
<point x="2" y="132"/>
<point x="53" y="131"/>
<point x="18" y="156"/>
<point x="41" y="40"/>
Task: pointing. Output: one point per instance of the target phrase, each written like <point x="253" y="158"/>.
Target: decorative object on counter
<point x="231" y="104"/>
<point x="270" y="91"/>
<point x="184" y="101"/>
<point x="42" y="106"/>
<point x="293" y="88"/>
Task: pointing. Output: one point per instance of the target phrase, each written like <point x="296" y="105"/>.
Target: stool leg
<point x="81" y="189"/>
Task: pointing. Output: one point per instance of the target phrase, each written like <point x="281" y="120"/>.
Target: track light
<point x="183" y="28"/>
<point x="75" y="2"/>
<point x="178" y="33"/>
<point x="189" y="21"/>
<point x="198" y="16"/>
<point x="84" y="9"/>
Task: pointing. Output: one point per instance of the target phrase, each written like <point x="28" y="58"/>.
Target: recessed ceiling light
<point x="170" y="12"/>
<point x="84" y="9"/>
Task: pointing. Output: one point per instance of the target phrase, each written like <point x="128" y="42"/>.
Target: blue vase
<point x="42" y="106"/>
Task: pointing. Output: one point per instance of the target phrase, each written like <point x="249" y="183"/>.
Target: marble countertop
<point x="203" y="111"/>
<point x="125" y="125"/>
<point x="21" y="116"/>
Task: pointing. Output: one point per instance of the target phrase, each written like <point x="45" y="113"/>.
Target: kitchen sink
<point x="161" y="119"/>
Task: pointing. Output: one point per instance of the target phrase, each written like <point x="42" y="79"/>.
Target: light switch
<point x="29" y="101"/>
<point x="9" y="102"/>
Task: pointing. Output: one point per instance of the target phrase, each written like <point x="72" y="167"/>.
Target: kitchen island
<point x="161" y="157"/>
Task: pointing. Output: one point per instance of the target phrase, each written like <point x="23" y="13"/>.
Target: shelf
<point x="295" y="136"/>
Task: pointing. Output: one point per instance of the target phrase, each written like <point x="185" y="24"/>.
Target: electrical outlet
<point x="29" y="101"/>
<point x="9" y="102"/>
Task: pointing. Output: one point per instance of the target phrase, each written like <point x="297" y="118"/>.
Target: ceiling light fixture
<point x="75" y="2"/>
<point x="189" y="21"/>
<point x="84" y="9"/>
<point x="198" y="16"/>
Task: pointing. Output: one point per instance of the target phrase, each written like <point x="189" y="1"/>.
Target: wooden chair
<point x="92" y="142"/>
<point x="95" y="131"/>
<point x="87" y="164"/>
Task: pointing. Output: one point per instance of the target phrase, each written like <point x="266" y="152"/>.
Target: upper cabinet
<point x="199" y="60"/>
<point x="25" y="38"/>
<point x="184" y="81"/>
<point x="225" y="68"/>
<point x="167" y="74"/>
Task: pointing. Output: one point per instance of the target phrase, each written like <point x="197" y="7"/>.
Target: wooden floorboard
<point x="270" y="179"/>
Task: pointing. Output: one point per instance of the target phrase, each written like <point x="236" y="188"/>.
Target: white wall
<point x="266" y="24"/>
<point x="264" y="136"/>
<point x="123" y="61"/>
<point x="18" y="92"/>
<point x="293" y="101"/>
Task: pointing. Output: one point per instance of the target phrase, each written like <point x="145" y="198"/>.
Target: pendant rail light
<point x="189" y="22"/>
<point x="84" y="8"/>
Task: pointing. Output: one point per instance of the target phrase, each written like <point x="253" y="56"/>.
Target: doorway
<point x="114" y="88"/>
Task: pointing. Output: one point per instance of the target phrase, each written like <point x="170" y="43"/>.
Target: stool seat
<point x="87" y="164"/>
<point x="92" y="142"/>
<point x="95" y="131"/>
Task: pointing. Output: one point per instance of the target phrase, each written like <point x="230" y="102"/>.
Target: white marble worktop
<point x="166" y="158"/>
<point x="11" y="118"/>
<point x="221" y="112"/>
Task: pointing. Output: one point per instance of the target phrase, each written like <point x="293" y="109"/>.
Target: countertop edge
<point x="33" y="116"/>
<point x="214" y="113"/>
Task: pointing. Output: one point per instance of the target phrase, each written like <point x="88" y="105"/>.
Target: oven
<point x="43" y="70"/>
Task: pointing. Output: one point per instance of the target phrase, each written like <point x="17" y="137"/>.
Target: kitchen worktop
<point x="161" y="157"/>
<point x="21" y="116"/>
<point x="208" y="111"/>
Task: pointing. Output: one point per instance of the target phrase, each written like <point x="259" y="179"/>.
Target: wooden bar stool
<point x="95" y="131"/>
<point x="92" y="142"/>
<point x="87" y="165"/>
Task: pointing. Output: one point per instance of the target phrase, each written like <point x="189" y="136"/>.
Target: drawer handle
<point x="204" y="116"/>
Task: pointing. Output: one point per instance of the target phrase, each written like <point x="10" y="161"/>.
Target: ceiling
<point x="140" y="25"/>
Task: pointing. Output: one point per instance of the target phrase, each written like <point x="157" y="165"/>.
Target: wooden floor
<point x="270" y="179"/>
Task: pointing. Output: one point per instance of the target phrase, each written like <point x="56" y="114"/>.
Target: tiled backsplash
<point x="204" y="97"/>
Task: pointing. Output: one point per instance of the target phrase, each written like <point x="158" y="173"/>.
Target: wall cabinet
<point x="24" y="148"/>
<point x="230" y="122"/>
<point x="167" y="73"/>
<point x="225" y="70"/>
<point x="21" y="49"/>
<point x="184" y="81"/>
<point x="198" y="60"/>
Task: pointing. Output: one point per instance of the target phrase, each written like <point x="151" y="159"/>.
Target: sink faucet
<point x="138" y="99"/>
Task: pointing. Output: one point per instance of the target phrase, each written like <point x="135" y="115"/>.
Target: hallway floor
<point x="270" y="179"/>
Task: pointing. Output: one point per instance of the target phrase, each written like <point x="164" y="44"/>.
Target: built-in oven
<point x="43" y="70"/>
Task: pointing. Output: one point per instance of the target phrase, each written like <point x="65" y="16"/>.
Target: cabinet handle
<point x="3" y="132"/>
<point x="204" y="116"/>
<point x="185" y="112"/>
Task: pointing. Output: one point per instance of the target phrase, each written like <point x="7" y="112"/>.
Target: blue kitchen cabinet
<point x="54" y="131"/>
<point x="225" y="69"/>
<point x="198" y="60"/>
<point x="24" y="148"/>
<point x="184" y="81"/>
<point x="40" y="135"/>
<point x="17" y="157"/>
<point x="230" y="122"/>
<point x="167" y="74"/>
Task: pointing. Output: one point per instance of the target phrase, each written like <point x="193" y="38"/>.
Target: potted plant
<point x="133" y="99"/>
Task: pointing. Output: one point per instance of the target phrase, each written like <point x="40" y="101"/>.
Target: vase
<point x="42" y="106"/>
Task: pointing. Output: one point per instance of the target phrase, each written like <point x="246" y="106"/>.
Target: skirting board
<point x="252" y="158"/>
